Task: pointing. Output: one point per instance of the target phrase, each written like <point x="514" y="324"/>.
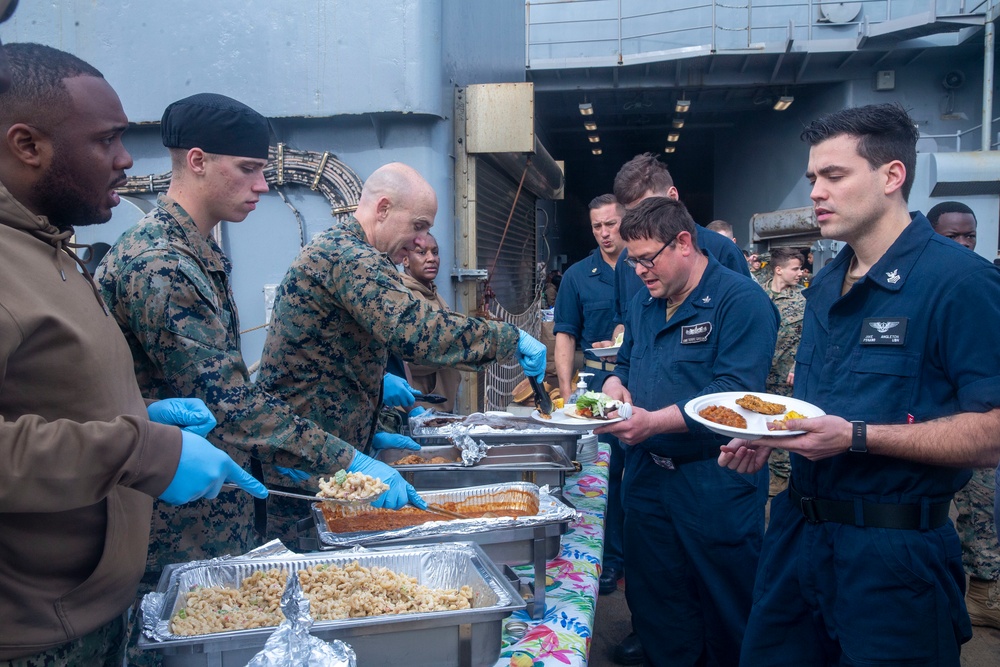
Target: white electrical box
<point x="885" y="79"/>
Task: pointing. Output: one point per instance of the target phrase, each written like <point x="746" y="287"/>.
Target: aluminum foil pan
<point x="550" y="510"/>
<point x="449" y="565"/>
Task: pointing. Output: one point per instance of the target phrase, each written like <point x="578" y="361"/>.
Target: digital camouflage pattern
<point x="104" y="647"/>
<point x="976" y="526"/>
<point x="340" y="311"/>
<point x="791" y="306"/>
<point x="168" y="287"/>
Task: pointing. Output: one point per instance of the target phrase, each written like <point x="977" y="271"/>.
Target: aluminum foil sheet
<point x="477" y="424"/>
<point x="450" y="565"/>
<point x="292" y="645"/>
<point x="550" y="510"/>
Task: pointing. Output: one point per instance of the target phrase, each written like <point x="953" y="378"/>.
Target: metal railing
<point x="718" y="25"/>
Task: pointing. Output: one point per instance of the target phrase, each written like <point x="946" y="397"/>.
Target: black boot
<point x="629" y="651"/>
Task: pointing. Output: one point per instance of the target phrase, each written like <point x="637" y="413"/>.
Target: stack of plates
<point x="586" y="448"/>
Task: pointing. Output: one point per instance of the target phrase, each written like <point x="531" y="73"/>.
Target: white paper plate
<point x="756" y="422"/>
<point x="601" y="352"/>
<point x="560" y="419"/>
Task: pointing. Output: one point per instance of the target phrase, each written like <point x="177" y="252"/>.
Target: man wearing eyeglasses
<point x="692" y="534"/>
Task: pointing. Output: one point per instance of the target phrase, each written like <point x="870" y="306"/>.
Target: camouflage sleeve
<point x="181" y="325"/>
<point x="409" y="326"/>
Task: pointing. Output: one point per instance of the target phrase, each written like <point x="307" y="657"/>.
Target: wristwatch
<point x="859" y="437"/>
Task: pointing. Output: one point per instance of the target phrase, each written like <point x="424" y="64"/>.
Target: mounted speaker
<point x="953" y="80"/>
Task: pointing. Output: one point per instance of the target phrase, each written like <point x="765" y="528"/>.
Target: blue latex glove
<point x="383" y="440"/>
<point x="203" y="469"/>
<point x="531" y="355"/>
<point x="397" y="392"/>
<point x="419" y="410"/>
<point x="293" y="474"/>
<point x="191" y="414"/>
<point x="399" y="490"/>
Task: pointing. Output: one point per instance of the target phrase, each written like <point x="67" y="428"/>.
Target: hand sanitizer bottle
<point x="581" y="388"/>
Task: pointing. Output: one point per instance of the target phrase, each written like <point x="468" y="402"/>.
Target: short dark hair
<point x="782" y="255"/>
<point x="948" y="207"/>
<point x="643" y="173"/>
<point x="602" y="200"/>
<point x="37" y="94"/>
<point x="719" y="226"/>
<point x="885" y="132"/>
<point x="659" y="218"/>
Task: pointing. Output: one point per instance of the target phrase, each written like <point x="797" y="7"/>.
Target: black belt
<point x="599" y="365"/>
<point x="924" y="516"/>
<point x="671" y="462"/>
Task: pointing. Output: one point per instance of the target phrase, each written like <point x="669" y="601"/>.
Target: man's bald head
<point x="397" y="181"/>
<point x="396" y="210"/>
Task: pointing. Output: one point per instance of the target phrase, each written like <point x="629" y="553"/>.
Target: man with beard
<point x="692" y="530"/>
<point x="81" y="459"/>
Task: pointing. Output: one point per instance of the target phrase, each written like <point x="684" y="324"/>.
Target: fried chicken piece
<point x="416" y="459"/>
<point x="410" y="460"/>
<point x="755" y="404"/>
<point x="723" y="415"/>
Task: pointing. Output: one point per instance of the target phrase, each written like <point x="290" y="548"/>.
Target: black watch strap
<point x="859" y="437"/>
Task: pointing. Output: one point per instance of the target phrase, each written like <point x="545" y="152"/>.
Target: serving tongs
<point x="315" y="499"/>
<point x="542" y="399"/>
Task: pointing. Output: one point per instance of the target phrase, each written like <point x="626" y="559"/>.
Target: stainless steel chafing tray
<point x="463" y="637"/>
<point x="493" y="430"/>
<point x="536" y="463"/>
<point x="508" y="541"/>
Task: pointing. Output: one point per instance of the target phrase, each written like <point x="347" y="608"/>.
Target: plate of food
<point x="589" y="412"/>
<point x="742" y="414"/>
<point x="601" y="352"/>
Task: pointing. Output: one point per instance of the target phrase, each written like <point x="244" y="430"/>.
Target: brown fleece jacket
<point x="80" y="462"/>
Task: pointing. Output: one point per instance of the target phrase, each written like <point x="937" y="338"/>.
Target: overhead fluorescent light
<point x="783" y="102"/>
<point x="590" y="126"/>
<point x="669" y="149"/>
<point x="678" y="123"/>
<point x="593" y="138"/>
<point x="674" y="136"/>
<point x="596" y="151"/>
<point x="682" y="106"/>
<point x="586" y="109"/>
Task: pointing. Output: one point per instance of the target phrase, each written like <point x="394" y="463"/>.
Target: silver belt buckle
<point x="663" y="461"/>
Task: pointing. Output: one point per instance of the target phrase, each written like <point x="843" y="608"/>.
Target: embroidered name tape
<point x="883" y="331"/>
<point x="695" y="333"/>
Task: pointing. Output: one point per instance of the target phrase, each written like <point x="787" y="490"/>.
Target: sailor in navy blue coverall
<point x="693" y="530"/>
<point x="584" y="314"/>
<point x="861" y="564"/>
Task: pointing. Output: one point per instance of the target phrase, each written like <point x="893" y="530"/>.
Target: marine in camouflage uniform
<point x="791" y="305"/>
<point x="168" y="285"/>
<point x="169" y="288"/>
<point x="341" y="309"/>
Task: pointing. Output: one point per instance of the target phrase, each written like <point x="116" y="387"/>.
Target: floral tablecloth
<point x="562" y="636"/>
